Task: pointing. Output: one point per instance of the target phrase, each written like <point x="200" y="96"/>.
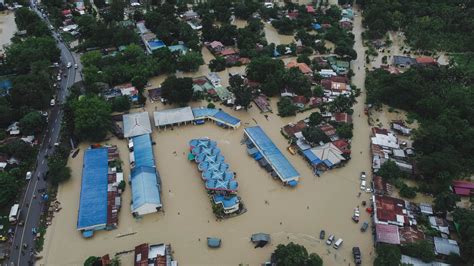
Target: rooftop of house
<point x="388" y="234"/>
<point x="390" y="210"/>
<point x="303" y="67"/>
<point x="426" y="60"/>
<point x="462" y="187"/>
<point x="410" y="234"/>
<point x="291" y="129"/>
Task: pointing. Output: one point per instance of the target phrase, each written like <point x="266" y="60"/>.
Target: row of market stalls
<point x="144" y="177"/>
<point x="100" y="199"/>
<point x="197" y="116"/>
<point x="215" y="172"/>
<point x="263" y="150"/>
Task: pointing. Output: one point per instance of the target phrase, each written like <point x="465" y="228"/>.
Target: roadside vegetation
<point x="428" y="25"/>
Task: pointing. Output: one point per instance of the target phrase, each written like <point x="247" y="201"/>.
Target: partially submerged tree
<point x="177" y="90"/>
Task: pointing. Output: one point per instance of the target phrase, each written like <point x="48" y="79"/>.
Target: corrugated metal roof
<point x="272" y="154"/>
<point x="93" y="199"/>
<point x="145" y="187"/>
<point x="142" y="151"/>
<point x="136" y="124"/>
<point x="173" y="116"/>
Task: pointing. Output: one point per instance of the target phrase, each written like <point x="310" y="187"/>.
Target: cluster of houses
<point x="126" y="89"/>
<point x="395" y="222"/>
<point x="152" y="42"/>
<point x="404" y="62"/>
<point x="229" y="53"/>
<point x="385" y="146"/>
<point x="147" y="254"/>
<point x="324" y="156"/>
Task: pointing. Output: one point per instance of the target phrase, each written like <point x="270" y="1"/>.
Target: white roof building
<point x="173" y="116"/>
<point x="136" y="124"/>
<point x="386" y="141"/>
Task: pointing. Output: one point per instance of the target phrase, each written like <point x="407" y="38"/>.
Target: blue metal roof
<point x="272" y="154"/>
<point x="145" y="187"/>
<point x="226" y="118"/>
<point x="204" y="112"/>
<point x="227" y="202"/>
<point x="93" y="200"/>
<point x="311" y="157"/>
<point x="142" y="150"/>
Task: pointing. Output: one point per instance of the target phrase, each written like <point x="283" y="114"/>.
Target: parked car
<point x="362" y="185"/>
<point x="368" y="190"/>
<point x="338" y="243"/>
<point x="364" y="227"/>
<point x="28" y="175"/>
<point x="362" y="176"/>
<point x="330" y="239"/>
<point x="69" y="64"/>
<point x="75" y="66"/>
<point x="357" y="255"/>
<point x="322" y="234"/>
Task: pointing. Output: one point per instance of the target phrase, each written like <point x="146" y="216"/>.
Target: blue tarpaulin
<point x="272" y="154"/>
<point x="142" y="150"/>
<point x="293" y="183"/>
<point x="93" y="200"/>
<point x="316" y="26"/>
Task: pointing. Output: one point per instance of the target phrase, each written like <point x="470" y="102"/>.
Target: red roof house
<point x="291" y="129"/>
<point x="386" y="233"/>
<point x="228" y="51"/>
<point x="463" y="188"/>
<point x="326" y="84"/>
<point x="309" y="9"/>
<point x="66" y="12"/>
<point x="390" y="210"/>
<point x="410" y="234"/>
<point x="343" y="117"/>
<point x="342" y="145"/>
<point x="303" y="67"/>
<point x="426" y="60"/>
<point x="339" y="79"/>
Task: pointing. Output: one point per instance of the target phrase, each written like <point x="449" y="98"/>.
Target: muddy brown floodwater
<point x="297" y="215"/>
<point x="7" y="28"/>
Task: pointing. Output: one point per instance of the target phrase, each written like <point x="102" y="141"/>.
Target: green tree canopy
<point x="286" y="107"/>
<point x="445" y="201"/>
<point x="294" y="254"/>
<point x="315" y="118"/>
<point x="9" y="189"/>
<point x="92" y="118"/>
<point x="33" y="122"/>
<point x="242" y="92"/>
<point x="389" y="170"/>
<point x="421" y="249"/>
<point x="387" y="255"/>
<point x="177" y="90"/>
<point x="121" y="104"/>
<point x="190" y="62"/>
<point x="315" y="135"/>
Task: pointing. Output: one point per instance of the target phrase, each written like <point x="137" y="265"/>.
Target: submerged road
<point x="22" y="251"/>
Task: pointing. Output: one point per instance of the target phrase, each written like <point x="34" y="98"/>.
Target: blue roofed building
<point x="229" y="203"/>
<point x="280" y="165"/>
<point x="142" y="154"/>
<point x="145" y="190"/>
<point x="5" y="87"/>
<point x="92" y="213"/>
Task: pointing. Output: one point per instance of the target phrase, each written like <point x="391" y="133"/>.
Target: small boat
<point x="213" y="242"/>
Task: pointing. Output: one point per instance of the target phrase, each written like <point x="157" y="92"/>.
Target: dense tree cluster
<point x="91" y="117"/>
<point x="164" y="23"/>
<point x="387" y="255"/>
<point x="465" y="219"/>
<point x="294" y="254"/>
<point x="286" y="107"/>
<point x="97" y="34"/>
<point x="242" y="92"/>
<point x="443" y="100"/>
<point x="421" y="249"/>
<point x="429" y="25"/>
<point x="177" y="90"/>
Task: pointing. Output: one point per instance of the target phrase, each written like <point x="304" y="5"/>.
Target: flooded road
<point x="297" y="215"/>
<point x="7" y="28"/>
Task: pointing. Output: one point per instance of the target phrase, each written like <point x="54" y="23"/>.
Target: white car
<point x="69" y="64"/>
<point x="52" y="102"/>
<point x="368" y="190"/>
<point x="362" y="185"/>
<point x="362" y="176"/>
<point x="59" y="77"/>
<point x="28" y="175"/>
<point x="75" y="66"/>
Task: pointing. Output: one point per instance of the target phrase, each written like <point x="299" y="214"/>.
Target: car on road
<point x="357" y="255"/>
<point x="75" y="66"/>
<point x="28" y="175"/>
<point x="362" y="185"/>
<point x="3" y="238"/>
<point x="368" y="190"/>
<point x="364" y="227"/>
<point x="330" y="239"/>
<point x="322" y="234"/>
<point x="362" y="176"/>
<point x="52" y="102"/>
<point x="59" y="77"/>
<point x="69" y="65"/>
